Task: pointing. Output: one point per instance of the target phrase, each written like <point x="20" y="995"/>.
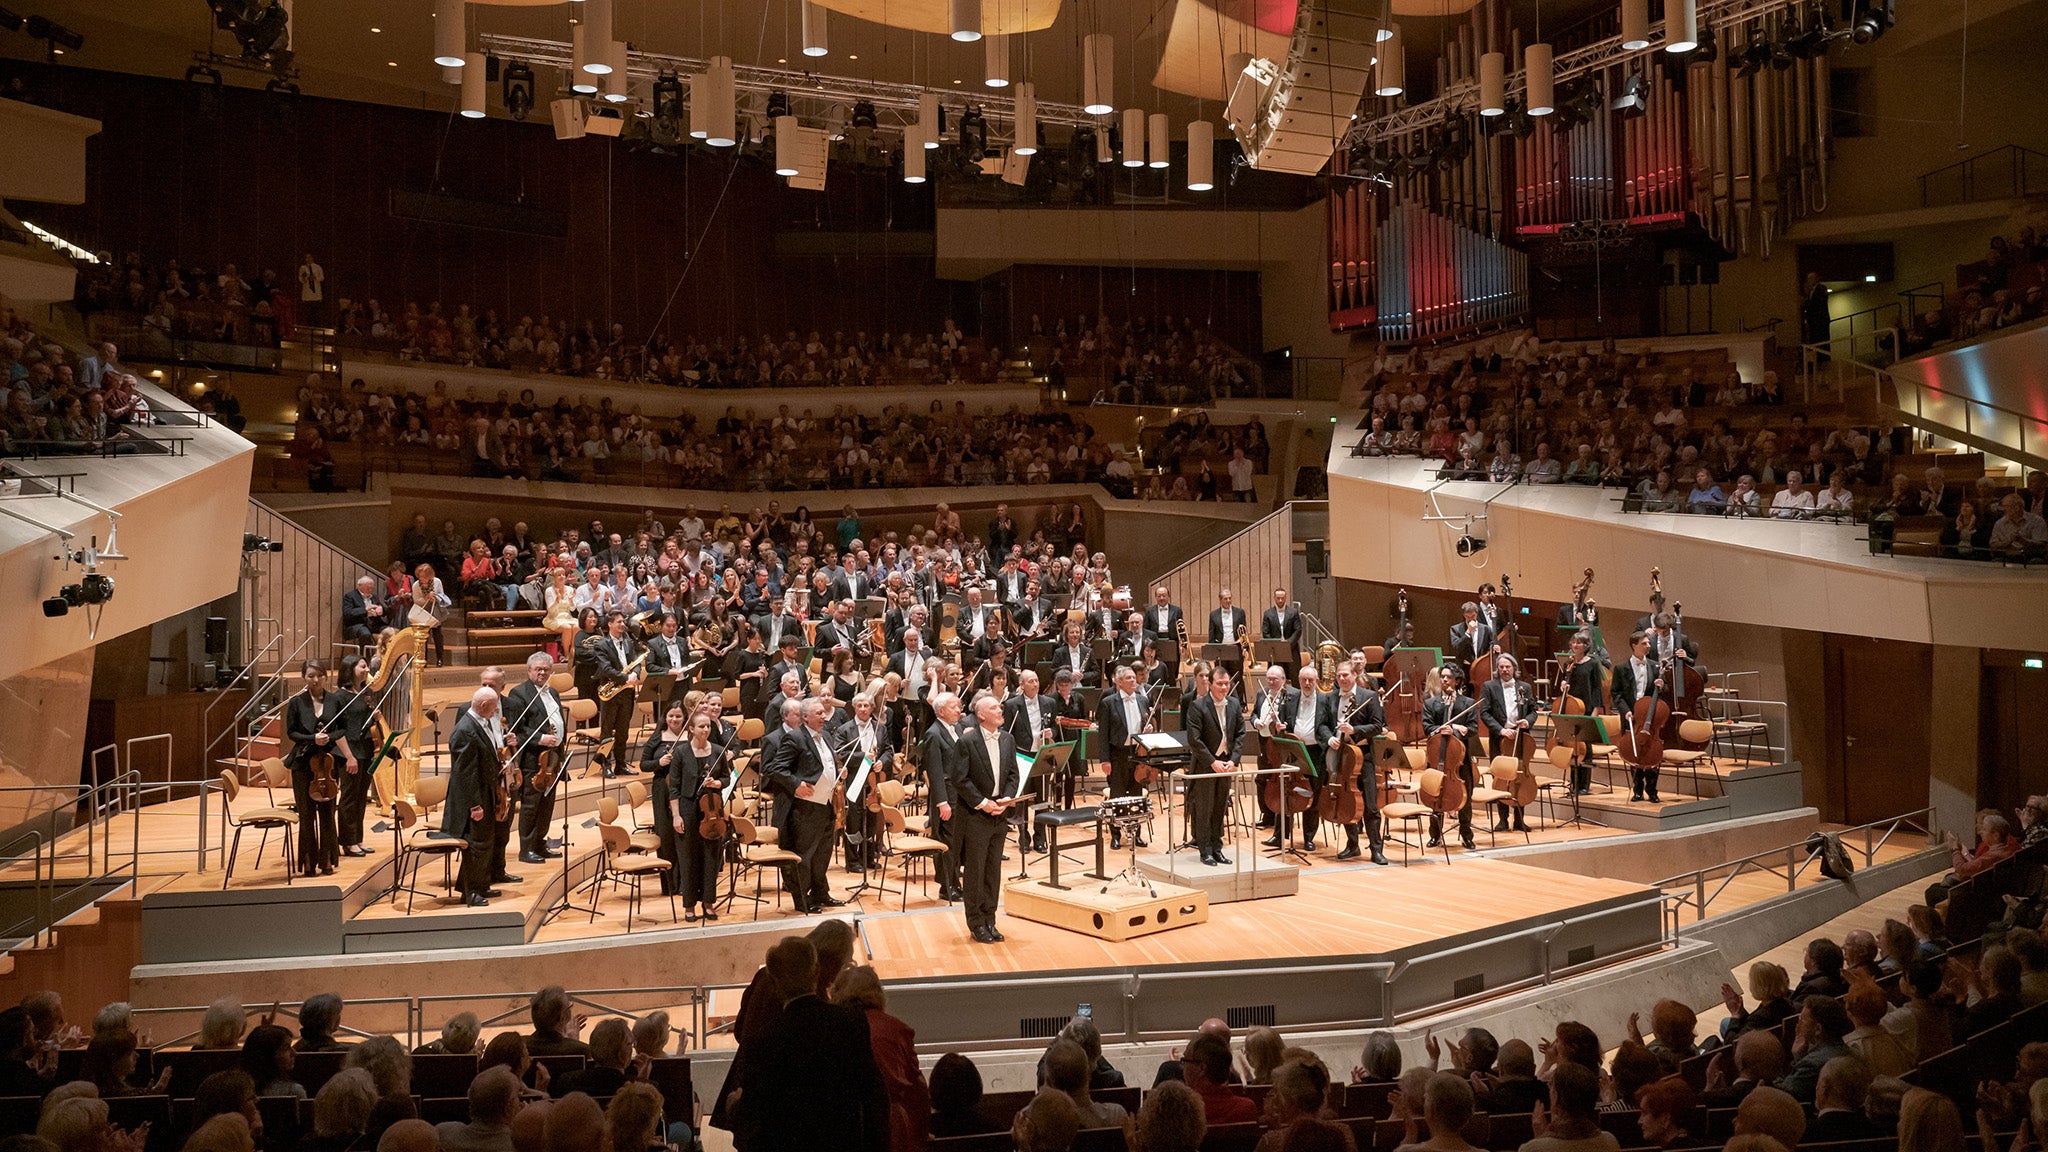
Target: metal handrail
<point x="1286" y="509"/>
<point x="2016" y="159"/>
<point x="1794" y="864"/>
<point x="39" y="916"/>
<point x="1882" y="378"/>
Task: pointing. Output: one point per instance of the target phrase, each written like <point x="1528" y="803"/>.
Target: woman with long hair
<point x="701" y="763"/>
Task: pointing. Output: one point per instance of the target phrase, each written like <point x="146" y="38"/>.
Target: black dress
<point x="658" y="745"/>
<point x="688" y="776"/>
<point x="319" y="846"/>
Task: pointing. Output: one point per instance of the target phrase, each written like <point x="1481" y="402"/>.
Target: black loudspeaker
<point x="216" y="636"/>
<point x="1318" y="558"/>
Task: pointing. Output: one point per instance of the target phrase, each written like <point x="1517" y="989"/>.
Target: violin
<point x="547" y="766"/>
<point x="711" y="819"/>
<point x="325" y="788"/>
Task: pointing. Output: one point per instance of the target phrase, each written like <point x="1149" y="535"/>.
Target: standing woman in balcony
<point x="313" y="723"/>
<point x="431" y="598"/>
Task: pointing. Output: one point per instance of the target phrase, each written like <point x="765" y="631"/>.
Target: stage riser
<point x="1250" y="876"/>
<point x="1649" y="857"/>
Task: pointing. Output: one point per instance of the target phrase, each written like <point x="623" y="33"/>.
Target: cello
<point x="1444" y="753"/>
<point x="1285" y="791"/>
<point x="1644" y="748"/>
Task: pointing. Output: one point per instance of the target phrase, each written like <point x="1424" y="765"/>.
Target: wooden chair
<point x="900" y="844"/>
<point x="278" y="778"/>
<point x="564" y="683"/>
<point x="622" y="865"/>
<point x="264" y="820"/>
<point x="756" y="857"/>
<point x="750" y="731"/>
<point x="426" y="841"/>
<point x="729" y="698"/>
<point x="591" y="741"/>
<point x="608" y="813"/>
<point x="1413" y="812"/>
<point x="1695" y="730"/>
<point x="1500" y="775"/>
<point x="636" y="795"/>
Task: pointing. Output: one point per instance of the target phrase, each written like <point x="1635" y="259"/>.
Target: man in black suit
<point x="1124" y="713"/>
<point x="788" y="659"/>
<point x="940" y="753"/>
<point x="987" y="783"/>
<point x="472" y="780"/>
<point x="1353" y="716"/>
<point x="775" y="624"/>
<point x="668" y="650"/>
<point x="977" y="626"/>
<point x="864" y="736"/>
<point x="1163" y="622"/>
<point x="1470" y="640"/>
<point x="1215" y="726"/>
<point x="1490" y="611"/>
<point x="1633" y="679"/>
<point x="809" y="1081"/>
<point x="1283" y="622"/>
<point x="1460" y="713"/>
<point x="853" y="582"/>
<point x="898" y="621"/>
<point x="1072" y="654"/>
<point x="838" y="630"/>
<point x="611" y="655"/>
<point x="1028" y="717"/>
<point x="1030" y="611"/>
<point x="1505" y="710"/>
<point x="806" y="770"/>
<point x="909" y="662"/>
<point x="1666" y="639"/>
<point x="1226" y="626"/>
<point x="1010" y="581"/>
<point x="362" y="612"/>
<point x="541" y="723"/>
<point x="1002" y="532"/>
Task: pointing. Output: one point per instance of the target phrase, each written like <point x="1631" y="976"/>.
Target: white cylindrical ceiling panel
<point x="582" y="81"/>
<point x="1156" y="147"/>
<point x="616" y="81"/>
<point x="1635" y="24"/>
<point x="1541" y="79"/>
<point x="1392" y="68"/>
<point x="913" y="156"/>
<point x="1201" y="156"/>
<point x="1493" y="84"/>
<point x="1134" y="137"/>
<point x="785" y="146"/>
<point x="1681" y="26"/>
<point x="473" y="86"/>
<point x="1027" y="121"/>
<point x="996" y="57"/>
<point x="815" y="43"/>
<point x="1098" y="74"/>
<point x="597" y="18"/>
<point x="451" y="33"/>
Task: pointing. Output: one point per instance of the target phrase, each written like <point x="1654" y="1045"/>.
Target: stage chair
<point x="608" y="813"/>
<point x="636" y="795"/>
<point x="429" y="793"/>
<point x="750" y="731"/>
<point x="757" y="857"/>
<point x="277" y="778"/>
<point x="564" y="683"/>
<point x="1414" y="812"/>
<point x="1500" y="775"/>
<point x="263" y="820"/>
<point x="900" y="844"/>
<point x="1694" y="730"/>
<point x="1550" y="789"/>
<point x="621" y="868"/>
<point x="590" y="740"/>
<point x="729" y="698"/>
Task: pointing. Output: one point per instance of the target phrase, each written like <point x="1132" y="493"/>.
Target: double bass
<point x="1644" y="747"/>
<point x="1444" y="752"/>
<point x="1404" y="709"/>
<point x="1483" y="670"/>
<point x="1687" y="684"/>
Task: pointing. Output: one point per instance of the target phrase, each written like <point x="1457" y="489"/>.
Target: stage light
<point x="1026" y="141"/>
<point x="1751" y="58"/>
<point x="864" y="114"/>
<point x="59" y="37"/>
<point x="1681" y="25"/>
<point x="1541" y="80"/>
<point x="1098" y="74"/>
<point x="1635" y="24"/>
<point x="262" y="29"/>
<point x="1470" y="545"/>
<point x="450" y="17"/>
<point x="1201" y="156"/>
<point x="995" y="54"/>
<point x="596" y="17"/>
<point x="1635" y="97"/>
<point x="582" y="80"/>
<point x="1493" y="85"/>
<point x="778" y="105"/>
<point x="1081" y="146"/>
<point x="1134" y="138"/>
<point x="252" y="542"/>
<point x="913" y="156"/>
<point x="667" y="97"/>
<point x="473" y="86"/>
<point x="518" y="89"/>
<point x="974" y="132"/>
<point x="1393" y="68"/>
<point x="1812" y="38"/>
<point x="1868" y="19"/>
<point x="965" y="19"/>
<point x="1156" y="148"/>
<point x="815" y="43"/>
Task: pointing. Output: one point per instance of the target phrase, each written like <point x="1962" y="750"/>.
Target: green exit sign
<point x="2031" y="662"/>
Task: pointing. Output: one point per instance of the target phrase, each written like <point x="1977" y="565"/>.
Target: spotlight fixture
<point x="973" y="132"/>
<point x="1635" y="97"/>
<point x="252" y="542"/>
<point x="1812" y="38"/>
<point x="778" y="104"/>
<point x="1868" y="19"/>
<point x="864" y="114"/>
<point x="668" y="96"/>
<point x="261" y="27"/>
<point x="92" y="590"/>
<point x="1468" y="544"/>
<point x="518" y="84"/>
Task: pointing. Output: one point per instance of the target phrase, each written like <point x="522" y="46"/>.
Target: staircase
<point x="87" y="958"/>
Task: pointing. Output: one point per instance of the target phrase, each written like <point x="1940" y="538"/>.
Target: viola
<point x="711" y="820"/>
<point x="325" y="788"/>
<point x="508" y="778"/>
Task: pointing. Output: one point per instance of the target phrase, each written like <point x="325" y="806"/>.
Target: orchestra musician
<point x="803" y="774"/>
<point x="988" y="781"/>
<point x="1030" y="615"/>
<point x="1106" y="619"/>
<point x="997" y="664"/>
<point x="940" y="754"/>
<point x="1028" y="718"/>
<point x="1633" y="680"/>
<point x="1121" y="717"/>
<point x="1355" y="717"/>
<point x="839" y="631"/>
<point x="1163" y="622"/>
<point x="1491" y="613"/>
<point x="1665" y="640"/>
<point x="1446" y="705"/>
<point x="358" y="710"/>
<point x="1153" y="672"/>
<point x="668" y="651"/>
<point x="313" y="722"/>
<point x="1069" y="706"/>
<point x="1403" y="637"/>
<point x="540" y="722"/>
<point x="1470" y="638"/>
<point x="702" y="762"/>
<point x="1011" y="583"/>
<point x="1273" y="714"/>
<point x="1130" y="643"/>
<point x="1283" y="622"/>
<point x="777" y="623"/>
<point x="748" y="668"/>
<point x="1582" y="678"/>
<point x="657" y="759"/>
<point x="864" y="737"/>
<point x="472" y="781"/>
<point x="1506" y="707"/>
<point x="611" y="660"/>
<point x="898" y="621"/>
<point x="1215" y="726"/>
<point x="977" y="626"/>
<point x="1226" y="626"/>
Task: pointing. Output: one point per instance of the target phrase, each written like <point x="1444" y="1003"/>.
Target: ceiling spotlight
<point x="251" y="542"/>
<point x="668" y="96"/>
<point x="1812" y="38"/>
<point x="518" y="83"/>
<point x="1635" y="97"/>
<point x="778" y="104"/>
<point x="864" y="114"/>
<point x="1868" y="19"/>
<point x="973" y="132"/>
<point x="261" y="27"/>
<point x="1468" y="544"/>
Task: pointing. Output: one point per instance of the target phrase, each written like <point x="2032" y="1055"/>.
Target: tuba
<point x="1328" y="655"/>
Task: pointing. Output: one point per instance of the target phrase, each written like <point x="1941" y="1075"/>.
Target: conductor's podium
<point x="1112" y="910"/>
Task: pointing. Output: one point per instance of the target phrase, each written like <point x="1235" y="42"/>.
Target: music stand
<point x="1168" y="650"/>
<point x="1048" y="761"/>
<point x="1036" y="653"/>
<point x="1578" y="729"/>
<point x="856" y="787"/>
<point x="1222" y="653"/>
<point x="1289" y="752"/>
<point x="1272" y="652"/>
<point x="867" y="608"/>
<point x="658" y="685"/>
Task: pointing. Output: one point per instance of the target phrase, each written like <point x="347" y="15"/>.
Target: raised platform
<point x="1248" y="876"/>
<point x="1116" y="910"/>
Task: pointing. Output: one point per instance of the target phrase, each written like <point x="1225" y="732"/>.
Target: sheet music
<point x="860" y="779"/>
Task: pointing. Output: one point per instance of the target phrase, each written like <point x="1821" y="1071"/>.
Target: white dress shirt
<point x="821" y="789"/>
<point x="1230" y="628"/>
<point x="1131" y="721"/>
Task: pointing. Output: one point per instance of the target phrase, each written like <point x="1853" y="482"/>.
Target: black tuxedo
<point x="852" y="586"/>
<point x="1070" y="657"/>
<point x="913" y="686"/>
<point x="661" y="659"/>
<point x="1628" y="687"/>
<point x="964" y="629"/>
<point x="1016" y="721"/>
<point x="1438" y="711"/>
<point x="810" y="1082"/>
<point x="1209" y="731"/>
<point x="1494" y="617"/>
<point x="1116" y="739"/>
<point x="525" y="710"/>
<point x="1010" y="587"/>
<point x="1278" y="625"/>
<point x="774" y="628"/>
<point x="1493" y="708"/>
<point x="472" y="783"/>
<point x="1367" y="716"/>
<point x="356" y="622"/>
<point x="832" y="634"/>
<point x="895" y="623"/>
<point x="1171" y="630"/>
<point x="806" y="824"/>
<point x="982" y="834"/>
<point x="940" y="752"/>
<point x="1466" y="647"/>
<point x="1216" y="625"/>
<point x="614" y="716"/>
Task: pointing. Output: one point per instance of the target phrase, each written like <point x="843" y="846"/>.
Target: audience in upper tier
<point x="55" y="402"/>
<point x="1841" y="1053"/>
<point x="522" y="438"/>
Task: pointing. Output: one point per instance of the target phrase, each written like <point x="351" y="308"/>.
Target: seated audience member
<point x="611" y="1051"/>
<point x="1066" y="1070"/>
<point x="1823" y="975"/>
<point x="1570" y="1043"/>
<point x="110" y="1062"/>
<point x="1706" y="497"/>
<point x="632" y="1121"/>
<point x="1773" y="1113"/>
<point x="1514" y="1085"/>
<point x="1869" y="1040"/>
<point x="222" y="1026"/>
<point x="341" y="1111"/>
<point x="267" y="1058"/>
<point x="493" y="1098"/>
<point x="319" y="1020"/>
<point x="1572" y="1122"/>
<point x="1311" y="1134"/>
<point x="1447" y="1108"/>
<point x="410" y="1136"/>
<point x="956" y="1098"/>
<point x="1666" y="1111"/>
<point x="225" y="1133"/>
<point x="1995" y="842"/>
<point x="1170" y="1119"/>
<point x="1633" y="1068"/>
<point x="1793" y="501"/>
<point x="1838" y="1103"/>
<point x="222" y="1092"/>
<point x="1822" y="1026"/>
<point x="574" y="1124"/>
<point x="390" y="1069"/>
<point x="458" y="1036"/>
<point x="556" y="1025"/>
<point x="1047" y="1123"/>
<point x="651" y="1036"/>
<point x="1298" y="1093"/>
<point x="1205" y="1067"/>
<point x="1996" y="981"/>
<point x="1922" y="1024"/>
<point x="1672" y="1039"/>
<point x="530" y="1126"/>
<point x="1759" y="1059"/>
<point x="1381" y="1060"/>
<point x="2018" y="531"/>
<point x="1262" y="1052"/>
<point x="1929" y="1122"/>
